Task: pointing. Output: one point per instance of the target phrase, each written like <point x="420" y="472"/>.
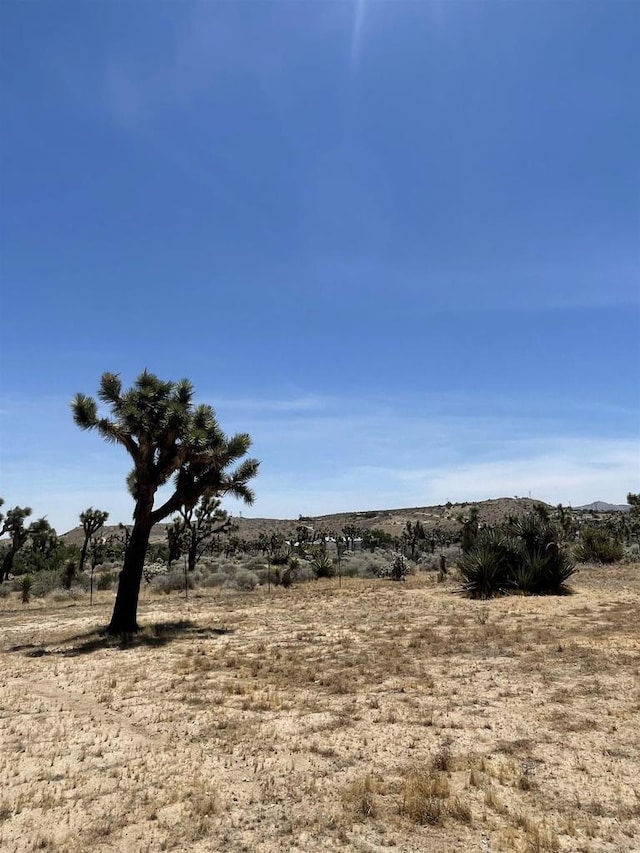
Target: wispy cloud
<point x="323" y="454"/>
<point x="357" y="34"/>
<point x="571" y="472"/>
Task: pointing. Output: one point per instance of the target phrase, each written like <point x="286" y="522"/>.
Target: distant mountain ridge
<point x="602" y="506"/>
<point x="444" y="517"/>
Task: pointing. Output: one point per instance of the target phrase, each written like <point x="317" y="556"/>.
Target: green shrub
<point x="597" y="546"/>
<point x="486" y="570"/>
<point x="322" y="564"/>
<point x="525" y="554"/>
<point x="44" y="583"/>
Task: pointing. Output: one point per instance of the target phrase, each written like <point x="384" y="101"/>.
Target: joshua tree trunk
<point x="192" y="554"/>
<point x="123" y="619"/>
<point x="7" y="564"/>
<point x="83" y="554"/>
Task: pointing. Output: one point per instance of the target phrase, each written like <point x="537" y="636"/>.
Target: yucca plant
<point x="525" y="554"/>
<point x="485" y="569"/>
<point x="597" y="546"/>
<point x="558" y="571"/>
<point x="322" y="564"/>
<point x="527" y="571"/>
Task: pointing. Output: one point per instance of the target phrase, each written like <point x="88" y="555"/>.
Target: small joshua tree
<point x="91" y="520"/>
<point x="13" y="524"/>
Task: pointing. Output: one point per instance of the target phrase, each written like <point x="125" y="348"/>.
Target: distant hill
<point x="393" y="521"/>
<point x="601" y="506"/>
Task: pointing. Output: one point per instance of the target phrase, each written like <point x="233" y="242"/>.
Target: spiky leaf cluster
<point x="13" y="524"/>
<point x="92" y="520"/>
<point x="168" y="438"/>
<point x="525" y="554"/>
<point x="598" y="546"/>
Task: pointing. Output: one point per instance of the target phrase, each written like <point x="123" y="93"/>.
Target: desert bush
<point x="244" y="580"/>
<point x="263" y="575"/>
<point x="227" y="568"/>
<point x="304" y="571"/>
<point x="350" y="565"/>
<point x="105" y="580"/>
<point x="431" y="562"/>
<point x="524" y="554"/>
<point x="172" y="582"/>
<point x="151" y="571"/>
<point x="397" y="570"/>
<point x="253" y="563"/>
<point x="598" y="546"/>
<point x="44" y="583"/>
<point x="632" y="553"/>
<point x="366" y="565"/>
<point x="215" y="579"/>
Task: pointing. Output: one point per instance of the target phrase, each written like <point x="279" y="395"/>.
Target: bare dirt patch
<point x="370" y="717"/>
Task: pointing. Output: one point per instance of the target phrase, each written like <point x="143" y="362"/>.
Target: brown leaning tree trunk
<point x="124" y="617"/>
<point x="83" y="553"/>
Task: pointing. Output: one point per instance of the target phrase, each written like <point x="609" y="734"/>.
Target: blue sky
<point x="397" y="242"/>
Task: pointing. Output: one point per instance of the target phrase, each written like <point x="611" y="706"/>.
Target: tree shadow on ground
<point x="157" y="635"/>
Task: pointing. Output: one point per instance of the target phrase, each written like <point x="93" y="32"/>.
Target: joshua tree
<point x="175" y="540"/>
<point x="351" y="532"/>
<point x="91" y="520"/>
<point x="13" y="524"/>
<point x="470" y="527"/>
<point x="197" y="526"/>
<point x="412" y="536"/>
<point x="167" y="437"/>
<point x="44" y="541"/>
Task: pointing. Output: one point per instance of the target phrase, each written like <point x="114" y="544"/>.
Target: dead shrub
<point x="423" y="796"/>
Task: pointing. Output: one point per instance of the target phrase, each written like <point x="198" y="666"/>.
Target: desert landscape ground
<point x="370" y="716"/>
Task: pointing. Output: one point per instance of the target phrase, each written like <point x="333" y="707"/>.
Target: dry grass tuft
<point x="359" y="798"/>
<point x="424" y="792"/>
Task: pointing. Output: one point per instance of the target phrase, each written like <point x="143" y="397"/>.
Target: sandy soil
<point x="372" y="717"/>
